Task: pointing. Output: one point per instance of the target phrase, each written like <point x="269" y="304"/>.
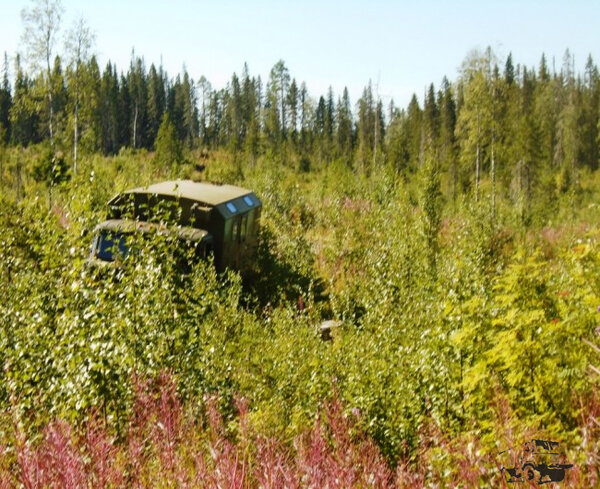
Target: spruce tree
<point x="431" y="118"/>
<point x="292" y="103"/>
<point x="432" y="205"/>
<point x="509" y="71"/>
<point x="344" y="134"/>
<point x="320" y="128"/>
<point x="366" y="128"/>
<point x="590" y="101"/>
<point x="125" y="114"/>
<point x="168" y="147"/>
<point x="156" y="100"/>
<point x="5" y="104"/>
<point x="414" y="134"/>
<point x="90" y="110"/>
<point x="236" y="115"/>
<point x="138" y="89"/>
<point x="397" y="147"/>
<point x="109" y="111"/>
<point x="447" y="145"/>
<point x="24" y="118"/>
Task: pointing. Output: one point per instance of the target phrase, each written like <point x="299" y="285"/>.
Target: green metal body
<point x="229" y="215"/>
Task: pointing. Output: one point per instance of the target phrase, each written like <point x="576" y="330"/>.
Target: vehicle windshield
<point x="110" y="245"/>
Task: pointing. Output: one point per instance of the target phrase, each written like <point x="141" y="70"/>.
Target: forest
<point x="455" y="242"/>
<point x="526" y="130"/>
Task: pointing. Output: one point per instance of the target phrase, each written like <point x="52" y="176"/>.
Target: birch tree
<point x="78" y="46"/>
<point x="42" y="26"/>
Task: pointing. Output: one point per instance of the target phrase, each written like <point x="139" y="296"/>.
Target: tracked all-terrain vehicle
<point x="216" y="219"/>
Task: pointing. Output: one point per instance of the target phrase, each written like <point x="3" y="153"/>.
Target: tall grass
<point x="165" y="445"/>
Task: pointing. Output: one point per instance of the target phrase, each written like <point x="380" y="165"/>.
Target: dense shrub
<point x="167" y="444"/>
<point x="441" y="309"/>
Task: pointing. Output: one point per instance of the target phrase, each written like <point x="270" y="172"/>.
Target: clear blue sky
<point x="404" y="45"/>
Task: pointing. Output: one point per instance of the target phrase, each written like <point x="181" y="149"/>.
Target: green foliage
<point x="51" y="168"/>
<point x="432" y="205"/>
<point x="168" y="148"/>
<point x="505" y="311"/>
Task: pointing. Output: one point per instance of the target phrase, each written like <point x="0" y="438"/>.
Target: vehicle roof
<point x="208" y="193"/>
<point x="131" y="226"/>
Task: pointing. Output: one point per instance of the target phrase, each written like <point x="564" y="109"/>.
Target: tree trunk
<point x="528" y="188"/>
<point x="477" y="161"/>
<point x="51" y="113"/>
<point x="76" y="128"/>
<point x="477" y="175"/>
<point x="493" y="182"/>
<point x="135" y="126"/>
<point x="282" y="111"/>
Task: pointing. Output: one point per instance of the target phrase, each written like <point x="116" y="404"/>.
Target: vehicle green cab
<point x="217" y="219"/>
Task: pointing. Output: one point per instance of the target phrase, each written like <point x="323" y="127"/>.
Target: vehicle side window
<point x="235" y="230"/>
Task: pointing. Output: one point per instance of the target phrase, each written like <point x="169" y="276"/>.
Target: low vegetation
<point x="458" y="335"/>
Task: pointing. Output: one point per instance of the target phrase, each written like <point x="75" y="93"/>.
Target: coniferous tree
<point x="415" y="135"/>
<point x="344" y="136"/>
<point x="109" y="111"/>
<point x="215" y="117"/>
<point x="379" y="136"/>
<point x="251" y="115"/>
<point x="567" y="148"/>
<point x="330" y="114"/>
<point x="397" y="144"/>
<point x="156" y="100"/>
<point x="90" y="112"/>
<point x="320" y="129"/>
<point x="175" y="106"/>
<point x="125" y="113"/>
<point x="590" y="105"/>
<point x="234" y="117"/>
<point x="168" y="147"/>
<point x="272" y="124"/>
<point x="545" y="111"/>
<point x="138" y="92"/>
<point x="447" y="140"/>
<point x="292" y="103"/>
<point x="305" y="115"/>
<point x="5" y="104"/>
<point x="509" y="71"/>
<point x="432" y="205"/>
<point x="431" y="118"/>
<point x="366" y="128"/>
<point x="189" y="131"/>
<point x="24" y="118"/>
<point x="59" y="98"/>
